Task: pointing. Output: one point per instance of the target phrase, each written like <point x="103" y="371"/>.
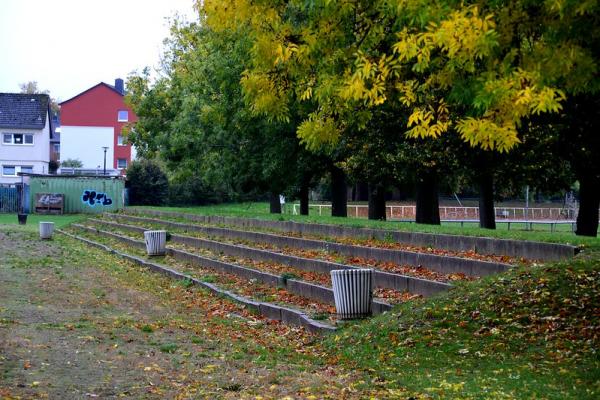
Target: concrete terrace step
<point x="271" y="311"/>
<point x="482" y="245"/>
<point x="383" y="279"/>
<point x="443" y="264"/>
<point x="301" y="288"/>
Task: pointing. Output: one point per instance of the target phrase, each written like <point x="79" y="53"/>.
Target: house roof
<point x="23" y="111"/>
<point x="111" y="87"/>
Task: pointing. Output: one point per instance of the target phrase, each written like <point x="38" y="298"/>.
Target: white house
<point x="25" y="127"/>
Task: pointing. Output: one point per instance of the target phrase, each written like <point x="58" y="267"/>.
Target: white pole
<point x="526" y="201"/>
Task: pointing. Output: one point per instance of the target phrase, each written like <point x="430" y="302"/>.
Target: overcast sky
<point x="68" y="46"/>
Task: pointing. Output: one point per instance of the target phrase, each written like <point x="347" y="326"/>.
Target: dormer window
<point x="123" y="116"/>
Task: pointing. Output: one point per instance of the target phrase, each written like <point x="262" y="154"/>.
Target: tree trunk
<point x="428" y="209"/>
<point x="304" y="188"/>
<point x="339" y="193"/>
<point x="487" y="216"/>
<point x="274" y="204"/>
<point x="589" y="201"/>
<point x="377" y="202"/>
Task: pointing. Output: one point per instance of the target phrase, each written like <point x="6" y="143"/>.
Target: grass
<point x="60" y="221"/>
<point x="530" y="333"/>
<point x="261" y="210"/>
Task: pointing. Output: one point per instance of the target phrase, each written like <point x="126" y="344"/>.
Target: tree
<point x="71" y="163"/>
<point x="195" y="119"/>
<point x="148" y="184"/>
<point x="475" y="69"/>
<point x="31" y="87"/>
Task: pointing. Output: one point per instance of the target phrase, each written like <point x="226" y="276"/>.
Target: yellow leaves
<point x="548" y="100"/>
<point x="369" y="80"/>
<point x="462" y="38"/>
<point x="487" y="134"/>
<point x="446" y="386"/>
<point x="284" y="53"/>
<point x="428" y="123"/>
<point x="318" y="130"/>
<point x="208" y="369"/>
<point x="307" y="94"/>
<point x="263" y="96"/>
<point x="406" y="48"/>
<point x="420" y="117"/>
<point x="407" y="91"/>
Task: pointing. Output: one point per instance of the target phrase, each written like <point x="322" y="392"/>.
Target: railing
<point x="458" y="213"/>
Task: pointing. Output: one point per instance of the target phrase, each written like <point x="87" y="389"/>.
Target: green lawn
<point x="33" y="220"/>
<point x="261" y="210"/>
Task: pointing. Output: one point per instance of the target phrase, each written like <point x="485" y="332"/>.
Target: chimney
<point x="119" y="85"/>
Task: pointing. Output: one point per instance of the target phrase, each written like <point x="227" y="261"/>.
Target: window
<point x="121" y="141"/>
<point x="57" y="147"/>
<point x="9" y="170"/>
<point x="123" y="116"/>
<point x="17" y="138"/>
<point x="13" y="170"/>
<point x="121" y="163"/>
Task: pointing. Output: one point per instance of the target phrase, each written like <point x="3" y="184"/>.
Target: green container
<point x="81" y="194"/>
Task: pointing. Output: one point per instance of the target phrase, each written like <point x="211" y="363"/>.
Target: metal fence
<point x="11" y="196"/>
<point x="408" y="212"/>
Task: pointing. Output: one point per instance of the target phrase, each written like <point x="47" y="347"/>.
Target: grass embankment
<point x="529" y="333"/>
<point x="518" y="231"/>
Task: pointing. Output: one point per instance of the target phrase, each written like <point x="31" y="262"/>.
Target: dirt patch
<point x="78" y="323"/>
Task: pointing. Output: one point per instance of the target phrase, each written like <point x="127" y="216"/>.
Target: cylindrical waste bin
<point x="155" y="242"/>
<point x="22" y="218"/>
<point x="46" y="229"/>
<point x="353" y="292"/>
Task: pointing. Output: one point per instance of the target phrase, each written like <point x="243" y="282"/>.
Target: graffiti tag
<point x="93" y="198"/>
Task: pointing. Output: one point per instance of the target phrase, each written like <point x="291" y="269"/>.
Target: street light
<point x="105" y="148"/>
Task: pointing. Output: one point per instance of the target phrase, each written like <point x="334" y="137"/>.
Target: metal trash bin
<point x="46" y="230"/>
<point x="353" y="292"/>
<point x="155" y="242"/>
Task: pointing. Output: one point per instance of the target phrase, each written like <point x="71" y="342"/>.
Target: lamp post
<point x="104" y="148"/>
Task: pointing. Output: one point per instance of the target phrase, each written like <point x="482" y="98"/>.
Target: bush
<point x="71" y="163"/>
<point x="148" y="184"/>
<point x="193" y="191"/>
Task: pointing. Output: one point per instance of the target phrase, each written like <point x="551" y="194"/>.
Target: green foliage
<point x="148" y="184"/>
<point x="71" y="163"/>
<point x="195" y="119"/>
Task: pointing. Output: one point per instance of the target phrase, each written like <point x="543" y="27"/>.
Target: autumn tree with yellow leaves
<point x="478" y="69"/>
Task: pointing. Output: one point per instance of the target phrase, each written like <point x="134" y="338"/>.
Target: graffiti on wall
<point x="93" y="198"/>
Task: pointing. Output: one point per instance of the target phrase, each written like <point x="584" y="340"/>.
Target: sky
<point x="68" y="46"/>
